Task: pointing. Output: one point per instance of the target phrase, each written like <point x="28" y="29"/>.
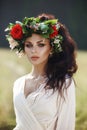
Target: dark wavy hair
<point x="63" y="64"/>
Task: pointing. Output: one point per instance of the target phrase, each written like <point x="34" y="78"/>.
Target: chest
<point x="32" y="86"/>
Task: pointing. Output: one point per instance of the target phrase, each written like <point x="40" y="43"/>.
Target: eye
<point x="28" y="45"/>
<point x="41" y="44"/>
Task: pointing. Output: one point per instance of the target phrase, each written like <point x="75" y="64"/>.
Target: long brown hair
<point x="61" y="65"/>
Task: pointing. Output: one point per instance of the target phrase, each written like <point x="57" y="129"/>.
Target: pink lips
<point x="34" y="57"/>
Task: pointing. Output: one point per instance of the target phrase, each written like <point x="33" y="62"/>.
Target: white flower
<point x="19" y="54"/>
<point x="57" y="26"/>
<point x="56" y="41"/>
<point x="12" y="43"/>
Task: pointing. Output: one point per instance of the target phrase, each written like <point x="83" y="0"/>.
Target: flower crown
<point x="18" y="32"/>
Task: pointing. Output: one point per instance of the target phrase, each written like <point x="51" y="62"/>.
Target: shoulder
<point x="69" y="81"/>
<point x="19" y="82"/>
<point x="70" y="91"/>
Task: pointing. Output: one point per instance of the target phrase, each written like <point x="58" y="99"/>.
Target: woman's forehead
<point x="37" y="38"/>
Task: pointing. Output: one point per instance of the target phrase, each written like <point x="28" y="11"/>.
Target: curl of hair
<point x="63" y="64"/>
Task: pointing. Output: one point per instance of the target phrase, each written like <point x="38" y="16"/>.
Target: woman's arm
<point x="66" y="119"/>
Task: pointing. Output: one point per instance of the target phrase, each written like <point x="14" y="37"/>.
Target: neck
<point x="38" y="70"/>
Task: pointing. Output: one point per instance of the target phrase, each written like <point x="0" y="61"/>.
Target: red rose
<point x="55" y="32"/>
<point x="16" y="31"/>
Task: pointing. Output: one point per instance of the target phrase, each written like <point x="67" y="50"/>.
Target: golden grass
<point x="81" y="91"/>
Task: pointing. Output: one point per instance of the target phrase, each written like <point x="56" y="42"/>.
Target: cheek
<point x="27" y="53"/>
<point x="45" y="53"/>
<point x="26" y="50"/>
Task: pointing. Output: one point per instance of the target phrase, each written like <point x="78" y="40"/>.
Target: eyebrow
<point x="39" y="41"/>
<point x="36" y="42"/>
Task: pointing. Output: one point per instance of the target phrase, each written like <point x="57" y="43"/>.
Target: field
<point x="12" y="67"/>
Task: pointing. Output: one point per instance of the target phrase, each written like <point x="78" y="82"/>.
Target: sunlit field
<point x="12" y="67"/>
<point x="81" y="91"/>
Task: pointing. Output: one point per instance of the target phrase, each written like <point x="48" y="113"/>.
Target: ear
<point x="51" y="50"/>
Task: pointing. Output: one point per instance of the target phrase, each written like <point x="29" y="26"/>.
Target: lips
<point x="34" y="57"/>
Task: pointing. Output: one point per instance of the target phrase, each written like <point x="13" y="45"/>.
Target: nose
<point x="34" y="49"/>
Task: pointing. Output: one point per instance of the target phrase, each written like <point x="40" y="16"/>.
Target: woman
<point x="44" y="99"/>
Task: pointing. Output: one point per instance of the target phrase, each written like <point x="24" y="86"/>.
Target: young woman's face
<point x="37" y="49"/>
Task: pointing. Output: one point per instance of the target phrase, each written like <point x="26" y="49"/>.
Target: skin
<point x="37" y="50"/>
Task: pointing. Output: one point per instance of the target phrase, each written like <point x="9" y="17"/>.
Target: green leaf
<point x="52" y="21"/>
<point x="26" y="20"/>
<point x="33" y="23"/>
<point x="45" y="35"/>
<point x="50" y="30"/>
<point x="24" y="29"/>
<point x="37" y="20"/>
<point x="43" y="27"/>
<point x="10" y="25"/>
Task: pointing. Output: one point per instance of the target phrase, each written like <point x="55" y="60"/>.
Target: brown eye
<point x="28" y="45"/>
<point x="41" y="44"/>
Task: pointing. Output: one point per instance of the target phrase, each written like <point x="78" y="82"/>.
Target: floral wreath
<point x="18" y="32"/>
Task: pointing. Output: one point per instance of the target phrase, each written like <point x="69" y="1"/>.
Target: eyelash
<point x="30" y="45"/>
<point x="41" y="45"/>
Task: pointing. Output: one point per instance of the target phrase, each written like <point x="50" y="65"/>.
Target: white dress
<point x="43" y="110"/>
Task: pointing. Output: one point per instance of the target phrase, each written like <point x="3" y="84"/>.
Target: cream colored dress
<point x="43" y="110"/>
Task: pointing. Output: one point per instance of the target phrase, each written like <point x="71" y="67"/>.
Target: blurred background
<point x="72" y="13"/>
